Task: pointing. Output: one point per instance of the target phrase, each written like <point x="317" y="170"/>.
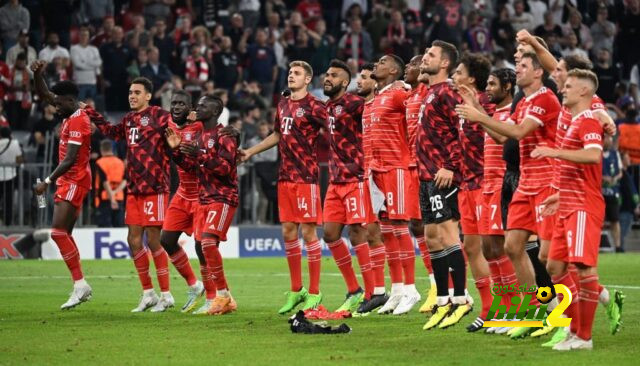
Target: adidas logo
<point x="356" y="216"/>
<point x="152" y="219"/>
<point x="212" y="227"/>
<point x="393" y="212"/>
<point x="306" y="215"/>
<point x="495" y="227"/>
<point x="438" y="215"/>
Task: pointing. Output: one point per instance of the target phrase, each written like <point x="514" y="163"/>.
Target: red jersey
<point x="564" y="121"/>
<point x="76" y="130"/>
<point x="367" y="148"/>
<point x="299" y="123"/>
<point x="471" y="137"/>
<point x="580" y="184"/>
<point x="190" y="132"/>
<point x="494" y="165"/>
<point x="543" y="107"/>
<point x="438" y="145"/>
<point x="147" y="150"/>
<point x="389" y="142"/>
<point x="344" y="121"/>
<point x="414" y="102"/>
<point x="215" y="167"/>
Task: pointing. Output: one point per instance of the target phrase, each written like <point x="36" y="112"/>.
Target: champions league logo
<point x="144" y="121"/>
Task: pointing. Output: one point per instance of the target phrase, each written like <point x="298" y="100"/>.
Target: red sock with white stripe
<point x="377" y="255"/>
<point x="573" y="311"/>
<point x="69" y="252"/>
<point x="207" y="281"/>
<point x="407" y="253"/>
<point x="588" y="304"/>
<point x="314" y="257"/>
<point x="161" y="261"/>
<point x="364" y="260"/>
<point x="484" y="288"/>
<point x="424" y="254"/>
<point x="141" y="261"/>
<point x="214" y="262"/>
<point x="507" y="275"/>
<point x="294" y="260"/>
<point x="342" y="256"/>
<point x="392" y="248"/>
<point x="181" y="262"/>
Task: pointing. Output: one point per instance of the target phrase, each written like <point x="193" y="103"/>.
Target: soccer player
<point x="534" y="125"/>
<point x="298" y="121"/>
<point x="72" y="176"/>
<point x="147" y="165"/>
<point x="366" y="87"/>
<point x="418" y="82"/>
<point x="213" y="157"/>
<point x="439" y="154"/>
<point x="472" y="73"/>
<point x="180" y="214"/>
<point x="390" y="176"/>
<point x="576" y="236"/>
<point x="347" y="201"/>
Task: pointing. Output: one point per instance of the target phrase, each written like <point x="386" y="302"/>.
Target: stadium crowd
<point x="239" y="50"/>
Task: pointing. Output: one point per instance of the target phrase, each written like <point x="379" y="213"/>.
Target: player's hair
<point x="21" y="57"/>
<point x="577" y="62"/>
<point x="542" y="42"/>
<point x="65" y="88"/>
<point x="338" y="64"/>
<point x="535" y="61"/>
<point x="478" y="67"/>
<point x="220" y="92"/>
<point x="305" y="65"/>
<point x="368" y="66"/>
<point x="146" y="83"/>
<point x="449" y="51"/>
<point x="216" y="100"/>
<point x="106" y="145"/>
<point x="585" y="75"/>
<point x="506" y="76"/>
<point x="399" y="63"/>
<point x="184" y="94"/>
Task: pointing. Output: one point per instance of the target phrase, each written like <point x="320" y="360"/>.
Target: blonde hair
<point x="583" y="74"/>
<point x="307" y="68"/>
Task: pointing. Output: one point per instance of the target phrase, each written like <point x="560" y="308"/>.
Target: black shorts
<point x="611" y="209"/>
<point x="438" y="205"/>
<point x="509" y="186"/>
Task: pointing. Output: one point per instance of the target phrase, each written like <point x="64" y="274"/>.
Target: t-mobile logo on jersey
<point x="286" y="125"/>
<point x="133" y="135"/>
<point x="332" y="124"/>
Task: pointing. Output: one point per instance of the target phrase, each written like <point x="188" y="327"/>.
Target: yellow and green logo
<point x="521" y="313"/>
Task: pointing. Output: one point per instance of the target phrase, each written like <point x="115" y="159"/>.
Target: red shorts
<point x="470" y="208"/>
<point x="180" y="215"/>
<point x="72" y="193"/>
<point x="524" y="214"/>
<point x="396" y="186"/>
<point x="299" y="203"/>
<point x="214" y="218"/>
<point x="413" y="196"/>
<point x="576" y="238"/>
<point x="146" y="209"/>
<point x="348" y="203"/>
<point x="491" y="214"/>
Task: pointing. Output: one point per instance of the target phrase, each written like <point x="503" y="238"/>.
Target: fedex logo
<point x="116" y="249"/>
<point x="287" y="122"/>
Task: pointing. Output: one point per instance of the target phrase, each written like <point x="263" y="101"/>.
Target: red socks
<point x="214" y="262"/>
<point x="575" y="324"/>
<point x="314" y="257"/>
<point x="207" y="280"/>
<point x="377" y="255"/>
<point x="342" y="256"/>
<point x="69" y="252"/>
<point x="364" y="260"/>
<point x="484" y="288"/>
<point x="588" y="304"/>
<point x="161" y="261"/>
<point x="392" y="248"/>
<point x="294" y="259"/>
<point x="507" y="275"/>
<point x="141" y="261"/>
<point x="573" y="311"/>
<point x="424" y="253"/>
<point x="407" y="253"/>
<point x="181" y="262"/>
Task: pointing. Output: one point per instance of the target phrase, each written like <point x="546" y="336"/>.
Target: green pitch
<point x="103" y="331"/>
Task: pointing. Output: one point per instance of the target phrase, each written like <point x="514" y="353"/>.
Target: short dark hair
<point x="106" y="145"/>
<point x="146" y="83"/>
<point x="478" y="68"/>
<point x="449" y="51"/>
<point x="577" y="62"/>
<point x="368" y="66"/>
<point x="214" y="99"/>
<point x="22" y="56"/>
<point x="184" y="94"/>
<point x="398" y="61"/>
<point x="338" y="64"/>
<point x="65" y="88"/>
<point x="5" y="132"/>
<point x="506" y="76"/>
<point x="535" y="61"/>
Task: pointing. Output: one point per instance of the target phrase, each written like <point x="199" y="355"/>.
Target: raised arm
<point x="41" y="86"/>
<point x="548" y="62"/>
<point x="116" y="132"/>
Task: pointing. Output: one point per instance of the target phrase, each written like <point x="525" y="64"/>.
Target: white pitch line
<point x="230" y="274"/>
